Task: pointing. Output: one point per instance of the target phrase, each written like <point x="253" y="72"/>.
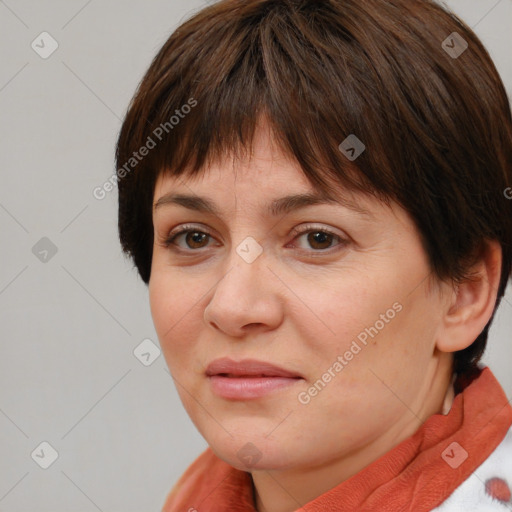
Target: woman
<point x="313" y="192"/>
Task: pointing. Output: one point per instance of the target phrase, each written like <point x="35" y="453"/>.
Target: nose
<point x="247" y="297"/>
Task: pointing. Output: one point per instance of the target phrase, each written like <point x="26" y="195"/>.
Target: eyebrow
<point x="277" y="207"/>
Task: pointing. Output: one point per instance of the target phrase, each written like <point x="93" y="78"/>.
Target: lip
<point x="248" y="379"/>
<point x="247" y="368"/>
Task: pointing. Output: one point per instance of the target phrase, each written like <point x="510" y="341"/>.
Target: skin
<point x="300" y="305"/>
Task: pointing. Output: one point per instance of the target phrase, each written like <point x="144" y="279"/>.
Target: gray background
<point x="70" y="324"/>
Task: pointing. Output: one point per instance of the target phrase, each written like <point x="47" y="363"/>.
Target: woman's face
<point x="350" y="315"/>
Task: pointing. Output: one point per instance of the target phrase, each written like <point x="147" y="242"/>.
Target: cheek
<point x="337" y="310"/>
<point x="161" y="304"/>
<point x="174" y="309"/>
<point x="369" y="324"/>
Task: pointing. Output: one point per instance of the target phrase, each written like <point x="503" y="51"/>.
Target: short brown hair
<point x="437" y="126"/>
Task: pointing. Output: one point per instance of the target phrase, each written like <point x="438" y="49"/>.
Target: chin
<point x="253" y="452"/>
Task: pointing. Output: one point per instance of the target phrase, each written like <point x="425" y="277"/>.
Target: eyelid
<point x="306" y="228"/>
<point x="183" y="229"/>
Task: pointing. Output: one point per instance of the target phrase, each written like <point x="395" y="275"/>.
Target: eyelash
<point x="296" y="233"/>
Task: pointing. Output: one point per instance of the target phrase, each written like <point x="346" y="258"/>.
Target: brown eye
<point x="319" y="239"/>
<point x="194" y="239"/>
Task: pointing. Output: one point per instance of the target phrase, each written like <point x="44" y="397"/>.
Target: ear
<point x="470" y="306"/>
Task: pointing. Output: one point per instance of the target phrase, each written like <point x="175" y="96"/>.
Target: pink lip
<point x="247" y="368"/>
<point x="248" y="378"/>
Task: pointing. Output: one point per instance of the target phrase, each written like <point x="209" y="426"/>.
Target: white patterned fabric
<point x="488" y="489"/>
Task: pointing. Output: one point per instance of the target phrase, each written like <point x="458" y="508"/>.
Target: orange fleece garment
<point x="416" y="475"/>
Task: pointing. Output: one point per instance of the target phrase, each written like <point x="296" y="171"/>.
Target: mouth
<point x="248" y="379"/>
<point x="248" y="368"/>
<point x="249" y="375"/>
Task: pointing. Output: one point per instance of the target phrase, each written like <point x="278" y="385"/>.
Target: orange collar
<point x="416" y="475"/>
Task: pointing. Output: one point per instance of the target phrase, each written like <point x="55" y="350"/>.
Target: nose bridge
<point x="244" y="295"/>
<point x="249" y="250"/>
<point x="246" y="236"/>
<point x="247" y="264"/>
<point x="247" y="258"/>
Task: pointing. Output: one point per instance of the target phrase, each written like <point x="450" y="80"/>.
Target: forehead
<point x="266" y="178"/>
<point x="223" y="199"/>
